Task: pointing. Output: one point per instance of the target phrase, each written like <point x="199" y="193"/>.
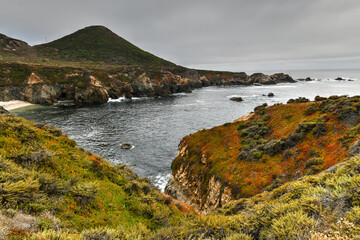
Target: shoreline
<point x="15" y="104"/>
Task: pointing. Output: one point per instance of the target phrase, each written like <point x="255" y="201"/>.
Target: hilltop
<point x="98" y="43"/>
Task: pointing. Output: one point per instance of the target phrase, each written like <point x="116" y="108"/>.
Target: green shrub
<point x="80" y="84"/>
<point x="53" y="235"/>
<point x="298" y="100"/>
<point x="84" y="193"/>
<point x="294" y="225"/>
<point x="238" y="236"/>
<point x="52" y="185"/>
<point x="318" y="98"/>
<point x="45" y="223"/>
<point x="104" y="233"/>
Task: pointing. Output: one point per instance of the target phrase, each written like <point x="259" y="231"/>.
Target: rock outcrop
<point x="48" y="85"/>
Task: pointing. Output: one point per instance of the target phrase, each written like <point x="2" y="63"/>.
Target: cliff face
<point x="47" y="85"/>
<point x="260" y="152"/>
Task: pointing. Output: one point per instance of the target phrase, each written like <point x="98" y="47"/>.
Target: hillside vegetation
<point x="47" y="183"/>
<point x="97" y="43"/>
<point x="275" y="145"/>
<point x="51" y="189"/>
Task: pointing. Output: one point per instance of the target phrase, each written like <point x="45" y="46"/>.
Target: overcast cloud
<point x="236" y="35"/>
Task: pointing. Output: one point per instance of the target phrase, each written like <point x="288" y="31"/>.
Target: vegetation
<point x="50" y="184"/>
<point x="277" y="144"/>
<point x="50" y="189"/>
<point x="98" y="44"/>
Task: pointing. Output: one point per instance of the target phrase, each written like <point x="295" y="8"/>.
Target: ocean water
<point x="155" y="126"/>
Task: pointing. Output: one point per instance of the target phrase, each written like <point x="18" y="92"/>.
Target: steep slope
<point x="273" y="145"/>
<point x="46" y="183"/>
<point x="324" y="206"/>
<point x="97" y="43"/>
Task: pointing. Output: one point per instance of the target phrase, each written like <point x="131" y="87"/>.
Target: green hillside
<point x="47" y="183"/>
<point x="98" y="44"/>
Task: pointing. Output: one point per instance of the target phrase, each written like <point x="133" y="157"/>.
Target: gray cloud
<point x="237" y="35"/>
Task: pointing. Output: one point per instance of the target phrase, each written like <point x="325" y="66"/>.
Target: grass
<point x="41" y="170"/>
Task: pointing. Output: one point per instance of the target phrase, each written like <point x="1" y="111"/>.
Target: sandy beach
<point x="15" y="104"/>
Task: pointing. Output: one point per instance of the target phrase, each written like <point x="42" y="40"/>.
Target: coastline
<point x="15" y="104"/>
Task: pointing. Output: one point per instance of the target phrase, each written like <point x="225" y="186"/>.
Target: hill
<point x="264" y="150"/>
<point x="47" y="183"/>
<point x="8" y="44"/>
<point x="98" y="44"/>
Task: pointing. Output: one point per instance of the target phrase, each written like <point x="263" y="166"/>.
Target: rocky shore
<point x="48" y="85"/>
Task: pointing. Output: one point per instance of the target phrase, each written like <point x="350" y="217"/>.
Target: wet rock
<point x="339" y="79"/>
<point x="270" y="94"/>
<point x="308" y="79"/>
<point x="3" y="110"/>
<point x="91" y="95"/>
<point x="126" y="145"/>
<point x="236" y="99"/>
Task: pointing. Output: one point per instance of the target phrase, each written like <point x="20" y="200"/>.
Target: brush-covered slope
<point x="97" y="43"/>
<point x="274" y="145"/>
<point x="47" y="183"/>
<point x="323" y="206"/>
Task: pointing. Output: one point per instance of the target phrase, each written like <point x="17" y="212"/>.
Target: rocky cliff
<point x="47" y="85"/>
<point x="264" y="150"/>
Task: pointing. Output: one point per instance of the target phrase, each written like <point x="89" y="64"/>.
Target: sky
<point x="234" y="35"/>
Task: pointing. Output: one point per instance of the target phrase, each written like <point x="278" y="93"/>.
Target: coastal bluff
<point x="264" y="150"/>
<point x="48" y="85"/>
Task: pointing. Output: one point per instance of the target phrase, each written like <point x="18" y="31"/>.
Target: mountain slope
<point x="97" y="43"/>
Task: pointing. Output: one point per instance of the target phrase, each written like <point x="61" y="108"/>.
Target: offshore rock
<point x="236" y="99"/>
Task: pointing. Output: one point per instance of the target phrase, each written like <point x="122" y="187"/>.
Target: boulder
<point x="126" y="145"/>
<point x="236" y="99"/>
<point x="91" y="95"/>
<point x="270" y="94"/>
<point x="339" y="79"/>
